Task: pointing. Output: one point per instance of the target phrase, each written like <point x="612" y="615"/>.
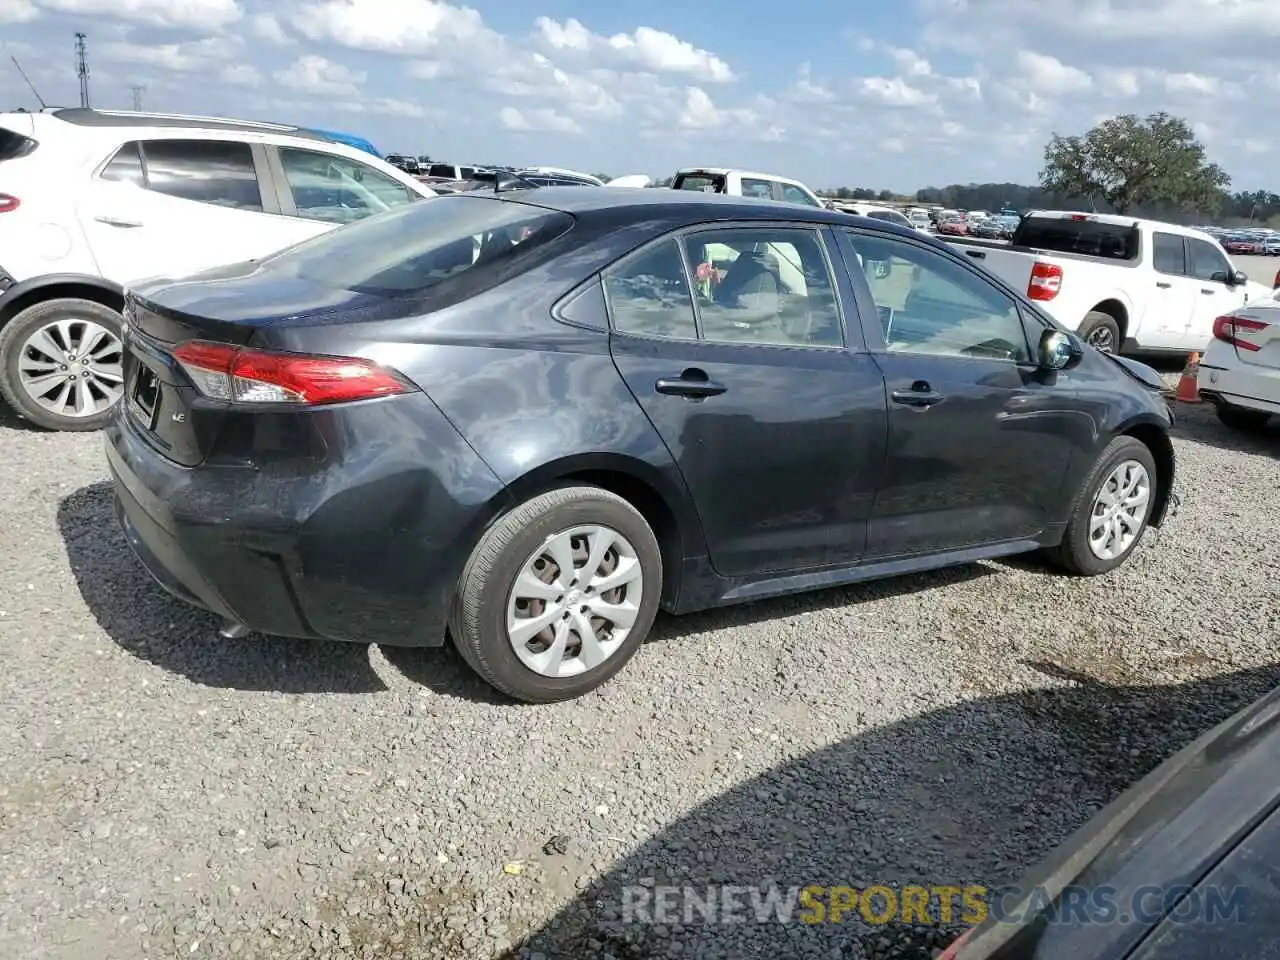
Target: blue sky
<point x="898" y="96"/>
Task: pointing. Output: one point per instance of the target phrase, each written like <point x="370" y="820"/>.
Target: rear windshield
<point x="706" y="182"/>
<point x="891" y="216"/>
<point x="1089" y="237"/>
<point x="14" y="145"/>
<point x="418" y="246"/>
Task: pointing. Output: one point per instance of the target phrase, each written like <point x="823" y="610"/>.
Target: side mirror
<point x="883" y="268"/>
<point x="1058" y="351"/>
<point x="1239" y="278"/>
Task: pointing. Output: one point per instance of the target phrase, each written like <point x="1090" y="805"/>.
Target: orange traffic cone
<point x="1188" y="389"/>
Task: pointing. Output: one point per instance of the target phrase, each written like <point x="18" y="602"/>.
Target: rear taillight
<point x="9" y="203"/>
<point x="953" y="951"/>
<point x="1227" y="329"/>
<point x="1275" y="284"/>
<point x="238" y="375"/>
<point x="1045" y="282"/>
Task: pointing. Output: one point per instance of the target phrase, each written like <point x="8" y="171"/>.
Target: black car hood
<point x="1139" y="371"/>
<point x="1168" y="829"/>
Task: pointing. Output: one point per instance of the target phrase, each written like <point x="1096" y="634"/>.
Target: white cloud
<point x="266" y="26"/>
<point x="644" y="47"/>
<point x="384" y="106"/>
<point x="392" y="26"/>
<point x="1049" y="75"/>
<point x="528" y="121"/>
<point x="910" y="63"/>
<point x="1192" y="83"/>
<point x="894" y="92"/>
<point x="315" y="75"/>
<point x="699" y="110"/>
<point x="17" y="11"/>
<point x="241" y="74"/>
<point x="193" y="56"/>
<point x="191" y="14"/>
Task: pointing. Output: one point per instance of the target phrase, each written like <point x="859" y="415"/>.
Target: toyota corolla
<point x="528" y="419"/>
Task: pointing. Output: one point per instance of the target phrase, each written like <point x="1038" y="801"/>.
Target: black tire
<point x="1101" y="331"/>
<point x="1073" y="553"/>
<point x="478" y="620"/>
<point x="14" y="335"/>
<point x="1242" y="418"/>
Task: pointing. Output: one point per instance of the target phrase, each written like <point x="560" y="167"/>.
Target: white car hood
<point x="1257" y="291"/>
<point x="631" y="180"/>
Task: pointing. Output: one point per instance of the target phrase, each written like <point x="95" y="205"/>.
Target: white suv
<point x="93" y="200"/>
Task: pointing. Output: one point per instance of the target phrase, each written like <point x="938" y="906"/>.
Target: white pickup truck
<point x="745" y="183"/>
<point x="1123" y="284"/>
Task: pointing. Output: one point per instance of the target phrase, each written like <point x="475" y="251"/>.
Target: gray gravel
<point x="166" y="794"/>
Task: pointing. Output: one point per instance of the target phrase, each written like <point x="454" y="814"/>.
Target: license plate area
<point x="144" y="396"/>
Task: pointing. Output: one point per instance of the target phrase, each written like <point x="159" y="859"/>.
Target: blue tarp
<point x="350" y="140"/>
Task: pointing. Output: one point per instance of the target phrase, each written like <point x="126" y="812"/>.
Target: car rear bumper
<point x="365" y="545"/>
<point x="1222" y="377"/>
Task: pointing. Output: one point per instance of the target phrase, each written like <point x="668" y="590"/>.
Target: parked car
<point x="91" y="200"/>
<point x="1123" y="284"/>
<point x="449" y="171"/>
<point x="745" y="183"/>
<point x="953" y="227"/>
<point x="1240" y="370"/>
<point x="404" y="162"/>
<point x="1173" y="868"/>
<point x="521" y="415"/>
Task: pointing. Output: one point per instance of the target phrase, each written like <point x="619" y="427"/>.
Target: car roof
<point x="92" y="117"/>
<point x="689" y="206"/>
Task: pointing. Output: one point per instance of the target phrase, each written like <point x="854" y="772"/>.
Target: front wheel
<point x="61" y="363"/>
<point x="558" y="595"/>
<point x="1110" y="513"/>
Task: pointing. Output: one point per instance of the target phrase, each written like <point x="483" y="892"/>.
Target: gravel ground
<point x="166" y="794"/>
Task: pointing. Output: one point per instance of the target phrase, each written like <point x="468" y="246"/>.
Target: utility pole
<point x="137" y="97"/>
<point x="82" y="69"/>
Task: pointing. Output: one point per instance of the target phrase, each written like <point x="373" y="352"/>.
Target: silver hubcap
<point x="1119" y="510"/>
<point x="73" y="368"/>
<point x="1102" y="339"/>
<point x="574" y="601"/>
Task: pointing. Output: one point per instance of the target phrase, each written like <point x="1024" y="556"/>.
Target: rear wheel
<point x="1242" y="418"/>
<point x="1101" y="331"/>
<point x="1110" y="513"/>
<point x="61" y="363"/>
<point x="558" y="595"/>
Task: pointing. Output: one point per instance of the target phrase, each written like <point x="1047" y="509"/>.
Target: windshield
<point x="420" y="245"/>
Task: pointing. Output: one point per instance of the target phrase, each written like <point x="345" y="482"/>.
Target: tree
<point x="1130" y="162"/>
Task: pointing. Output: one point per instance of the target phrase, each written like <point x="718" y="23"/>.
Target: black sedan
<point x="531" y="418"/>
<point x="1181" y="865"/>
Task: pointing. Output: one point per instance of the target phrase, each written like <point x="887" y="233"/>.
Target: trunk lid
<point x="1257" y="339"/>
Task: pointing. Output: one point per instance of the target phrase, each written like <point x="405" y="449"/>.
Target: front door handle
<point x="692" y="383"/>
<point x="921" y="396"/>
<point x="977" y="254"/>
<point x="1207" y="291"/>
<point x="118" y="222"/>
<point x="1162" y="285"/>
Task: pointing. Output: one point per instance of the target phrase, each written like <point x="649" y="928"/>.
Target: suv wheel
<point x="558" y="595"/>
<point x="61" y="363"/>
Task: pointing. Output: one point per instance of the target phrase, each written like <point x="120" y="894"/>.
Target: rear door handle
<point x="118" y="222"/>
<point x="921" y="399"/>
<point x="977" y="254"/>
<point x="1162" y="285"/>
<point x="692" y="383"/>
<point x="1207" y="291"/>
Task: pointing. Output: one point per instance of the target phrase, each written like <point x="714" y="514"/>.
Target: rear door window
<point x="1168" y="255"/>
<point x="757" y="189"/>
<point x="336" y="189"/>
<point x="219" y="172"/>
<point x="443" y="170"/>
<point x="126" y="166"/>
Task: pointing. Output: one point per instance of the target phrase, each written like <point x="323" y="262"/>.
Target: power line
<point x="137" y="92"/>
<point x="82" y="68"/>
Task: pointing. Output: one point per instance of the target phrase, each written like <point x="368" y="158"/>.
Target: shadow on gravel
<point x="1198" y="423"/>
<point x="143" y="619"/>
<point x="11" y="421"/>
<point x="973" y="793"/>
